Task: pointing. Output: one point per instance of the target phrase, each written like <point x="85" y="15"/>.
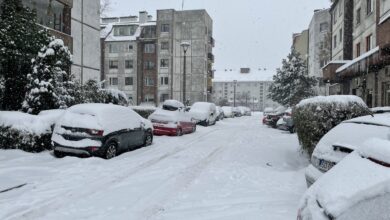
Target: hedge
<point x="314" y="117"/>
<point x="145" y="112"/>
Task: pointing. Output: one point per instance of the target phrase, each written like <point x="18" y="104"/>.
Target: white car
<point x="357" y="188"/>
<point x="204" y="112"/>
<point x="228" y="112"/>
<point x="103" y="130"/>
<point x="220" y="113"/>
<point x="342" y="140"/>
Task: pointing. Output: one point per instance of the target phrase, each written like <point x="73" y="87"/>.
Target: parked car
<point x="228" y="112"/>
<point x="220" y="114"/>
<point x="245" y="111"/>
<point x="204" y="113"/>
<point x="342" y="140"/>
<point x="286" y="122"/>
<point x="172" y="119"/>
<point x="266" y="112"/>
<point x="356" y="188"/>
<point x="103" y="130"/>
<point x="237" y="112"/>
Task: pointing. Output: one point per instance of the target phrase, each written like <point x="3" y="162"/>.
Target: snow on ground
<point x="238" y="169"/>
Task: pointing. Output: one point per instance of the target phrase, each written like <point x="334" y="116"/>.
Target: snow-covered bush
<point x="50" y="85"/>
<point x="144" y="111"/>
<point x="114" y="96"/>
<point x="27" y="132"/>
<point x="92" y="93"/>
<point x="314" y="117"/>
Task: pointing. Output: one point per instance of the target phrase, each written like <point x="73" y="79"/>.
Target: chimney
<point x="143" y="17"/>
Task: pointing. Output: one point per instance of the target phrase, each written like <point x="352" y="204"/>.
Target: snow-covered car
<point x="286" y="122"/>
<point x="245" y="111"/>
<point x="342" y="140"/>
<point x="357" y="188"/>
<point x="236" y="112"/>
<point x="266" y="112"/>
<point x="228" y="112"/>
<point x="172" y="119"/>
<point x="204" y="113"/>
<point x="220" y="114"/>
<point x="103" y="130"/>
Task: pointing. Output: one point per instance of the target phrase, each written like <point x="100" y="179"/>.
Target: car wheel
<point x="111" y="151"/>
<point x="58" y="154"/>
<point x="148" y="139"/>
<point x="193" y="128"/>
<point x="179" y="132"/>
<point x="292" y="130"/>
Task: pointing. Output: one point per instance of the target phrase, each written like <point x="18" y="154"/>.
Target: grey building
<point x="243" y="87"/>
<point x="319" y="45"/>
<point x="173" y="28"/>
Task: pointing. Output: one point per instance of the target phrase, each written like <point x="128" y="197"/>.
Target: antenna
<point x="182" y="5"/>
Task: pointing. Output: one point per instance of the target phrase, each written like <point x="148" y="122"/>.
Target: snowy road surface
<point x="238" y="169"/>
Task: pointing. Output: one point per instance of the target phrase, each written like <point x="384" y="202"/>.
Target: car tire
<point x="111" y="151"/>
<point x="193" y="128"/>
<point x="292" y="130"/>
<point x="58" y="154"/>
<point x="148" y="139"/>
<point x="179" y="132"/>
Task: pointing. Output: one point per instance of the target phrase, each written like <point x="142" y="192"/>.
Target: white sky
<point x="253" y="33"/>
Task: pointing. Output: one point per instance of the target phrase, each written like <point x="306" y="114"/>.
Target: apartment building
<point x="243" y="87"/>
<point x="367" y="74"/>
<point x="145" y="59"/>
<point x="77" y="24"/>
<point x="196" y="28"/>
<point x="319" y="46"/>
<point x="301" y="44"/>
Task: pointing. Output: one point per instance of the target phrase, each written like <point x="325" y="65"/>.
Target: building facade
<point x="157" y="57"/>
<point x="244" y="87"/>
<point x="319" y="46"/>
<point x="367" y="74"/>
<point x="77" y="24"/>
<point x="173" y="28"/>
<point x="301" y="44"/>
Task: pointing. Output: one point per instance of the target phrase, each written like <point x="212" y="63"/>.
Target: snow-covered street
<point x="238" y="169"/>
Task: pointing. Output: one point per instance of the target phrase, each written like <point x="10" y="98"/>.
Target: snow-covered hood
<point x="352" y="180"/>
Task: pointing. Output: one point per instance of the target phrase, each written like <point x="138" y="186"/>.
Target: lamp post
<point x="234" y="97"/>
<point x="185" y="46"/>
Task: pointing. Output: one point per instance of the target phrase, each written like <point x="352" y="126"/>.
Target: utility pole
<point x="185" y="46"/>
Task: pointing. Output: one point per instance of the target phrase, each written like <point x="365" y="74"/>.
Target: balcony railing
<point x="212" y="41"/>
<point x="210" y="56"/>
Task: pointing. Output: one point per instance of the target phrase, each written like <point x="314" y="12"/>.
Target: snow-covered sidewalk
<point x="238" y="169"/>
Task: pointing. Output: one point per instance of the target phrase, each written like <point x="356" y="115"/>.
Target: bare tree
<point x="105" y="7"/>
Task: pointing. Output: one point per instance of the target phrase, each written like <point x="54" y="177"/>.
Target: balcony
<point x="329" y="71"/>
<point x="383" y="37"/>
<point x="212" y="41"/>
<point x="210" y="57"/>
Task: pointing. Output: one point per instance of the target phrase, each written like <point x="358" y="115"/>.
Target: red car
<point x="172" y="119"/>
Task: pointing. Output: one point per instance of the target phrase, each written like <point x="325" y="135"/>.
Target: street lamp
<point x="234" y="97"/>
<point x="185" y="46"/>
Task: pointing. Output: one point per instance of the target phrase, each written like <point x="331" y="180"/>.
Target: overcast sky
<point x="253" y="33"/>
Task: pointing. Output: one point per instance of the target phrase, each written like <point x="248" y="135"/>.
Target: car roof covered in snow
<point x="353" y="180"/>
<point x="173" y="103"/>
<point x="202" y="105"/>
<point x="171" y="116"/>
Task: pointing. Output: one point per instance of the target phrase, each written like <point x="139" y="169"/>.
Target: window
<point x="113" y="64"/>
<point x="357" y="49"/>
<point x="129" y="64"/>
<point x="335" y="41"/>
<point x="369" y="42"/>
<point x="165" y="28"/>
<point x="164" y="97"/>
<point x="130" y="47"/>
<point x="358" y="16"/>
<point x="149" y="98"/>
<point x="370" y="6"/>
<point x="114" y="48"/>
<point x="149" y="81"/>
<point x="341" y="35"/>
<point x="125" y="30"/>
<point x="324" y="27"/>
<point x="113" y="81"/>
<point x="149" y="48"/>
<point x="164" y="46"/>
<point x="128" y="81"/>
<point x="335" y="15"/>
<point x="149" y="65"/>
<point x="385" y="7"/>
<point x="164" y="63"/>
<point x="164" y="81"/>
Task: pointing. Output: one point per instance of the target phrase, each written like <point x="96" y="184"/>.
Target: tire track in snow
<point x="55" y="201"/>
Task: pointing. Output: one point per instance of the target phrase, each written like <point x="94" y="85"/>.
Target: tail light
<point x="93" y="148"/>
<point x="95" y="132"/>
